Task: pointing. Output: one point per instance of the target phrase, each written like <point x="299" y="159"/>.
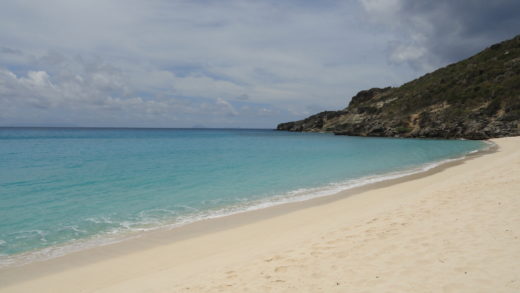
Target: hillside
<point x="476" y="98"/>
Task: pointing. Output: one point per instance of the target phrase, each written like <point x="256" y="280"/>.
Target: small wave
<point x="187" y="208"/>
<point x="157" y="218"/>
<point x="74" y="229"/>
<point x="490" y="145"/>
<point x="304" y="194"/>
<point x="154" y="214"/>
<point x="58" y="250"/>
<point x="100" y="220"/>
<point x="30" y="234"/>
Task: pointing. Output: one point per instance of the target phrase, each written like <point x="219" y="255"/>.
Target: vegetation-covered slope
<point x="476" y="98"/>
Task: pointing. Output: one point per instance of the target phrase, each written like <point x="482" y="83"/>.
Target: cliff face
<point x="476" y="98"/>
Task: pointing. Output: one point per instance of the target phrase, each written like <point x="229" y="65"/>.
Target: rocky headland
<point x="476" y="98"/>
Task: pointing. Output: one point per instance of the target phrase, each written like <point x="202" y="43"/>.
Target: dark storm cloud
<point x="435" y="33"/>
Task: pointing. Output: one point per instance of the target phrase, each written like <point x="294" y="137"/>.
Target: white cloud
<point x="222" y="63"/>
<point x="37" y="78"/>
<point x="382" y="10"/>
<point x="227" y="107"/>
<point x="97" y="98"/>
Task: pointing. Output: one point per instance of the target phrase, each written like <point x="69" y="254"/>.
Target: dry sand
<point x="456" y="230"/>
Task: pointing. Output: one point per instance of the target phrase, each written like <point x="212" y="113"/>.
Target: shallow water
<point x="59" y="187"/>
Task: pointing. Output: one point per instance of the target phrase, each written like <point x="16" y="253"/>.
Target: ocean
<point x="66" y="189"/>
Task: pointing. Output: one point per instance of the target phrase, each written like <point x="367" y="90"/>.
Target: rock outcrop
<point x="477" y="98"/>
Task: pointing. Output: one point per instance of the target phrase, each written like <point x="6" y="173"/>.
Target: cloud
<point x="176" y="63"/>
<point x="10" y="51"/>
<point x="89" y="92"/>
<point x="198" y="55"/>
<point x="227" y="107"/>
<point x="429" y="34"/>
<point x="243" y="97"/>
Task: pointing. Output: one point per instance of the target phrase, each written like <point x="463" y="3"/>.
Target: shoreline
<point x="230" y="236"/>
<point x="263" y="209"/>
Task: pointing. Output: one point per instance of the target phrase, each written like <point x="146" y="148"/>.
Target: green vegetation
<point x="475" y="98"/>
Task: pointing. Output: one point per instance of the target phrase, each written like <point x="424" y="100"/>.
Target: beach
<point x="455" y="228"/>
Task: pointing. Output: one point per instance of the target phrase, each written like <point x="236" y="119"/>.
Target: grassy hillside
<point x="476" y="98"/>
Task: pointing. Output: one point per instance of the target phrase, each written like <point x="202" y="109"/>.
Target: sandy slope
<point x="457" y="230"/>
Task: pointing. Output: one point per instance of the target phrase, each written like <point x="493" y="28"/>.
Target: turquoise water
<point x="65" y="187"/>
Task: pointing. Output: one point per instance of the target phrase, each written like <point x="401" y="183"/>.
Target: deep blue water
<point x="61" y="186"/>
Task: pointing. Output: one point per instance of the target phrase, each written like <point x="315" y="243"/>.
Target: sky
<point x="225" y="63"/>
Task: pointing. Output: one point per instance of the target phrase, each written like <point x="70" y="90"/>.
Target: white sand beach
<point x="456" y="229"/>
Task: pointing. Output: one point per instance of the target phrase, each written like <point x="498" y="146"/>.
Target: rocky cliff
<point x="476" y="98"/>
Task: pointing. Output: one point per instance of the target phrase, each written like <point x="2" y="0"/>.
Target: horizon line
<point x="127" y="127"/>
